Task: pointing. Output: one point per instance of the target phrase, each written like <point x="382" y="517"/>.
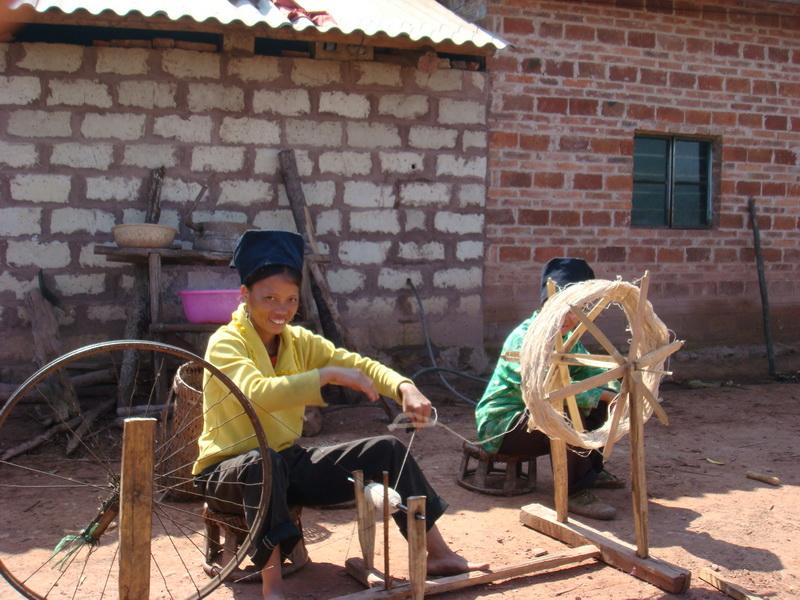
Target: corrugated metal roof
<point x="415" y="19"/>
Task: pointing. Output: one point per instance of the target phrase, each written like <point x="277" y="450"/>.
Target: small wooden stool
<point x="518" y="476"/>
<point x="234" y="529"/>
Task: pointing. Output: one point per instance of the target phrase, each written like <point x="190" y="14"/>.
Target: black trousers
<point x="582" y="465"/>
<point x="311" y="477"/>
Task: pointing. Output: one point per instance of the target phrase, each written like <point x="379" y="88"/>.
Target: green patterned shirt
<point x="502" y="402"/>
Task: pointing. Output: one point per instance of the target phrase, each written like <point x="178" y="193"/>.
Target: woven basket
<point x="181" y="431"/>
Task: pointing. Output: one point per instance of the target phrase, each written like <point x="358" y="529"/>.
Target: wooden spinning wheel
<point x="549" y="392"/>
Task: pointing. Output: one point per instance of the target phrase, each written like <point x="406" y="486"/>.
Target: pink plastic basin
<point x="209" y="306"/>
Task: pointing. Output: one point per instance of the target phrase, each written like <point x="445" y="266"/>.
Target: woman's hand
<point x="415" y="405"/>
<point x="350" y="378"/>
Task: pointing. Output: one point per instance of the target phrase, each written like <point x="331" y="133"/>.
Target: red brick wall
<point x="567" y="99"/>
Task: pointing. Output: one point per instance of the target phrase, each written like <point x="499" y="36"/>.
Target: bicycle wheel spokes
<point x="59" y="525"/>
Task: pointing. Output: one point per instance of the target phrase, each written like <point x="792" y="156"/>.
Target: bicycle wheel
<point x="59" y="479"/>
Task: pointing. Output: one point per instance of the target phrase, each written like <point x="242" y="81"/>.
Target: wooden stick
<point x="558" y="458"/>
<point x="136" y="503"/>
<point x="365" y="513"/>
<point x="417" y="547"/>
<point x="576" y="334"/>
<point x="586" y="360"/>
<point x="619" y="408"/>
<point x="726" y="587"/>
<point x="762" y="285"/>
<point x="586" y="384"/>
<point x="770" y="479"/>
<point x="659" y="411"/>
<point x="657" y="355"/>
<point x="442" y="585"/>
<point x="387" y="578"/>
<point x="598" y="334"/>
<point x="613" y="551"/>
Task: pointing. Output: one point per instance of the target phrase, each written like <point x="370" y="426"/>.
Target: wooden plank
<point x="558" y="458"/>
<point x="614" y="552"/>
<point x="726" y="587"/>
<point x="417" y="546"/>
<point x="442" y="585"/>
<point x="365" y="513"/>
<point x="586" y="384"/>
<point x="136" y="503"/>
<point x="369" y="578"/>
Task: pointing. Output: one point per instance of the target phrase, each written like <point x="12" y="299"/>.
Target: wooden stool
<point x="234" y="529"/>
<point x="488" y="478"/>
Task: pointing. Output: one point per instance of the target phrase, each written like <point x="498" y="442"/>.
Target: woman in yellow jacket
<point x="281" y="368"/>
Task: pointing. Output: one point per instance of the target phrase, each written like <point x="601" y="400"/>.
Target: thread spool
<point x="373" y="493"/>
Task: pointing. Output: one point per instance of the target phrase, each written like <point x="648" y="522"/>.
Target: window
<point x="671" y="182"/>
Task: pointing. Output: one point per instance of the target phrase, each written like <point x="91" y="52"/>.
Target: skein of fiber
<point x="537" y="359"/>
<point x="373" y="492"/>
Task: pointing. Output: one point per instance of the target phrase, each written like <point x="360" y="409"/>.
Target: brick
<point x="461" y="112"/>
<point x="528" y="216"/>
<point x="314" y="73"/>
<point x="459" y="279"/>
<point x="776" y="122"/>
<point x="710" y="82"/>
<point x="246" y="130"/>
<point x="74" y="285"/>
<point x="698" y="254"/>
<point x="611" y="254"/>
<point x="244" y="193"/>
<point x="72" y="220"/>
<point x="217" y="158"/>
<point x="112" y="188"/>
<point x="66" y="58"/>
<point x="401" y="162"/>
<point x="375" y="221"/>
<point x="116" y="126"/>
<point x="669" y="114"/>
<point x="267" y="162"/>
<point x="504" y="139"/>
<point x="500" y="217"/>
<point x="186" y="64"/>
<point x="345" y="163"/>
<point x="282" y="102"/>
<point x="517" y="103"/>
<point x="641" y="254"/>
<point x="699" y="46"/>
<point x="448" y="164"/>
<point x="548" y="180"/>
<point x="317" y="193"/>
<point x="395" y="279"/>
<point x="194" y="128"/>
<point x="39" y="123"/>
<point x="698" y="117"/>
<point x="777" y="55"/>
<point x="785" y="157"/>
<point x="737" y="85"/>
<point x="345" y="281"/>
<point x="672" y="255"/>
<point x="579" y="32"/>
<point x="653" y="77"/>
<point x="473" y="139"/>
<point x="328" y="222"/>
<point x="44" y="255"/>
<point x="281" y="219"/>
<point x="462" y="224"/>
<point x="149" y="156"/>
<point x="726" y="49"/>
<point x="9" y="283"/>
<point x="581" y="106"/>
<point x="565" y="218"/>
<point x="372" y="135"/>
<point x="105" y="313"/>
<point x="366" y="194"/>
<point x="412" y="251"/>
<point x="551" y="30"/>
<point x="753" y="52"/>
<point x="79" y="92"/>
<point x="310" y="133"/>
<point x="147" y="94"/>
<point x="378" y="73"/>
<point x="433" y="138"/>
<point x="443" y="80"/>
<point x="596" y="217"/>
<point x="469" y="250"/>
<point x="425" y="194"/>
<point x="415" y="220"/>
<point x="587" y="181"/>
<point x="19" y="90"/>
<point x="209" y="96"/>
<point x="546" y="104"/>
<point x="641" y="39"/>
<point x="621" y="73"/>
<point x="353" y="106"/>
<point x="559" y="68"/>
<point x="614" y="37"/>
<point x="534" y="142"/>
<point x="20" y="220"/>
<point x="517" y="25"/>
<point x="363" y="253"/>
<point x="18" y="155"/>
<point x="682" y="80"/>
<point x="591" y="70"/>
<point x="122" y="61"/>
<point x="255" y="68"/>
<point x="765" y="88"/>
<point x="471" y="194"/>
<point x="41" y="188"/>
<point x="515" y="179"/>
<point x="508" y="254"/>
<point x="94" y="156"/>
<point x="406" y="106"/>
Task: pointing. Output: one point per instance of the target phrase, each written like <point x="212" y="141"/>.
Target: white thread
<point x="373" y="493"/>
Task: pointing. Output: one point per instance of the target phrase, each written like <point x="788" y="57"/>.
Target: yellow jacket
<point x="279" y="395"/>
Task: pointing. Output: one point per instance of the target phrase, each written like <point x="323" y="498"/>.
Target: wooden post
<point x="558" y="448"/>
<point x="387" y="578"/>
<point x="762" y="285"/>
<point x="136" y="503"/>
<point x="417" y="546"/>
<point x="365" y="513"/>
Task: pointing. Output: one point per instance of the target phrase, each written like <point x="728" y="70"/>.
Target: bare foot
<point x="453" y="564"/>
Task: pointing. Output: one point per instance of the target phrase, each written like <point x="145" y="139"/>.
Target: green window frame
<point x="671" y="182"/>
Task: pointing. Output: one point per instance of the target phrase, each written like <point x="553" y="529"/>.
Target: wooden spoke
<point x="636" y="324"/>
<point x="652" y="400"/>
<point x="587" y="384"/>
<point x="598" y="335"/>
<point x="578" y="332"/>
<point x="586" y="360"/>
<point x="659" y="354"/>
<point x="622" y="399"/>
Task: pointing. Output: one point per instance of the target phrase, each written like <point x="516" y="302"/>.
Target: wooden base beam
<point x="358" y="570"/>
<point x="613" y="551"/>
<point x="465" y="580"/>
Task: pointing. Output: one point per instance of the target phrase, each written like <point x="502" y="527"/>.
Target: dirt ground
<point x="702" y="513"/>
